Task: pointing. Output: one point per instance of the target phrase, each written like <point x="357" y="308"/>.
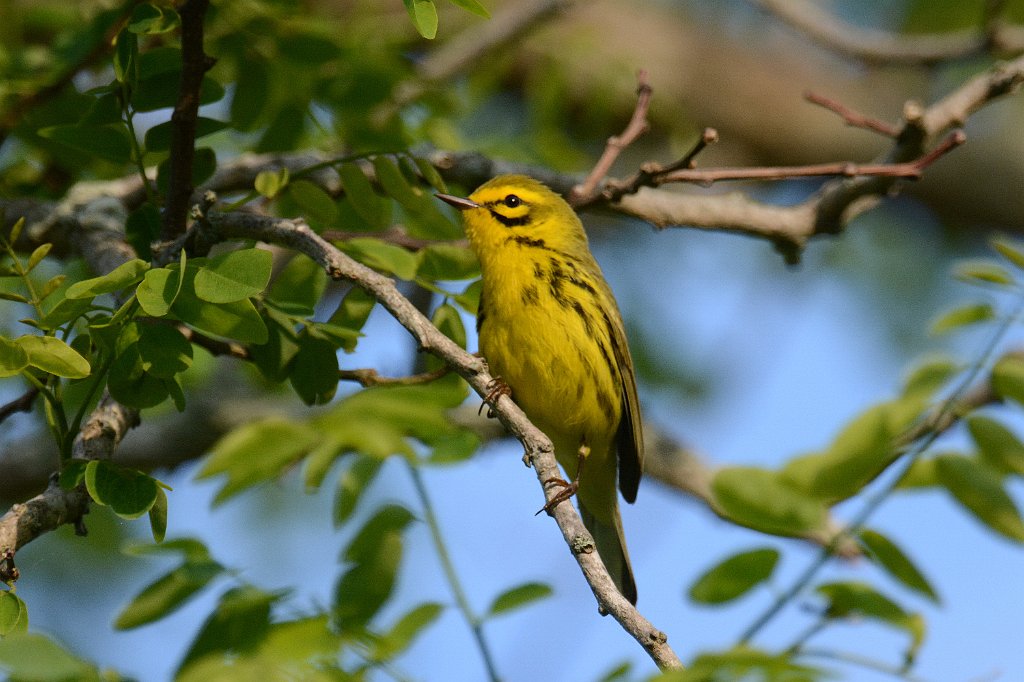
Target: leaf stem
<point x="474" y="621"/>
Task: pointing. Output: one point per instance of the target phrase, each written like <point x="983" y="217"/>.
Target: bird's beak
<point x="458" y="202"/>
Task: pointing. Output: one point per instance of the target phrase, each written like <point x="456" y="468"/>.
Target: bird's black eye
<point x="512" y="201"/>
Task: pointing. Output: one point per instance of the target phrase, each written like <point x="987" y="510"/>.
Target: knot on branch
<point x="582" y="543"/>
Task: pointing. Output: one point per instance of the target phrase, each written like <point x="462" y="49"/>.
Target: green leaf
<point x="13" y="614"/>
<point x="886" y="554"/>
<point x="983" y="271"/>
<point x="1008" y="378"/>
<point x="238" y="320"/>
<point x="257" y="452"/>
<point x="298" y="287"/>
<point x="517" y="597"/>
<point x="855" y="599"/>
<point x="402" y="634"/>
<point x="314" y="371"/>
<point x="13" y="357"/>
<point x="930" y="375"/>
<point x="747" y="665"/>
<point x="143" y="228"/>
<point x="52" y="355"/>
<point x="1010" y="250"/>
<point x="425" y="216"/>
<point x="36" y="658"/>
<point x="273" y="358"/>
<point x="126" y="56"/>
<point x="107" y="142"/>
<point x="962" y="316"/>
<point x="317" y="205"/>
<point x="353" y="311"/>
<point x="447" y="319"/>
<point x="158" y="290"/>
<point x="238" y="623"/>
<point x="158" y="516"/>
<point x="160" y="91"/>
<point x="424" y="17"/>
<point x="158" y="138"/>
<point x="921" y="474"/>
<point x="64" y="311"/>
<point x="37" y="256"/>
<point x="861" y="451"/>
<point x="121" y="277"/>
<point x="997" y="445"/>
<point x="189" y="549"/>
<point x="269" y="183"/>
<point x="735" y="576"/>
<point x="375" y="553"/>
<point x="447" y="262"/>
<point x="469" y="299"/>
<point x="359" y="193"/>
<point x="251" y="95"/>
<point x="128" y="492"/>
<point x="168" y="593"/>
<point x="382" y="256"/>
<point x="473" y="6"/>
<point x="164" y="351"/>
<point x="352" y="483"/>
<point x="760" y="499"/>
<point x="234" y="276"/>
<point x="979" y="489"/>
<point x="148" y="19"/>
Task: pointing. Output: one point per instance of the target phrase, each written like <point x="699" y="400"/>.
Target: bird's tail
<point x="611" y="546"/>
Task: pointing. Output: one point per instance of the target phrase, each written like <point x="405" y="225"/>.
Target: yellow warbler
<point x="550" y="328"/>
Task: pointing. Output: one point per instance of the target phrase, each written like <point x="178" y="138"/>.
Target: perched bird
<point x="549" y="327"/>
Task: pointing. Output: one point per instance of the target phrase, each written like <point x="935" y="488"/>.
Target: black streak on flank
<point x="588" y="324"/>
<point x="530" y="295"/>
<point x="556" y="279"/>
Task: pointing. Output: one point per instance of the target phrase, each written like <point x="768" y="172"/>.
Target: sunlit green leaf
<point x="167" y="594"/>
<point x="352" y="483"/>
<point x="424" y="16"/>
<point x="518" y="597"/>
<point x="929" y="375"/>
<point x="984" y="271"/>
<point x="382" y="256"/>
<point x="269" y="183"/>
<point x="158" y="289"/>
<point x="962" y="316"/>
<point x="760" y="499"/>
<point x="234" y="276"/>
<point x="257" y="452"/>
<point x="35" y="657"/>
<point x="158" y="516"/>
<point x="13" y="357"/>
<point x="997" y="445"/>
<point x="237" y="320"/>
<point x="13" y="614"/>
<point x="402" y="634"/>
<point x="1010" y="250"/>
<point x="121" y="277"/>
<point x="316" y="204"/>
<point x="298" y="287"/>
<point x="447" y="262"/>
<point x="735" y="576"/>
<point x="52" y="355"/>
<point x="980" y="490"/>
<point x="314" y="370"/>
<point x="890" y="557"/>
<point x="1008" y="378"/>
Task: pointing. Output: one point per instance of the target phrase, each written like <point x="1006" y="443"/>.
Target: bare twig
<point x="637" y="126"/>
<point x="851" y="117"/>
<point x="370" y="377"/>
<point x="194" y="64"/>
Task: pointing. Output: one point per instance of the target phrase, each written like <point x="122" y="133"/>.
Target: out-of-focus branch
<point x="194" y="64"/>
<point x="884" y="47"/>
<point x="22" y="403"/>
